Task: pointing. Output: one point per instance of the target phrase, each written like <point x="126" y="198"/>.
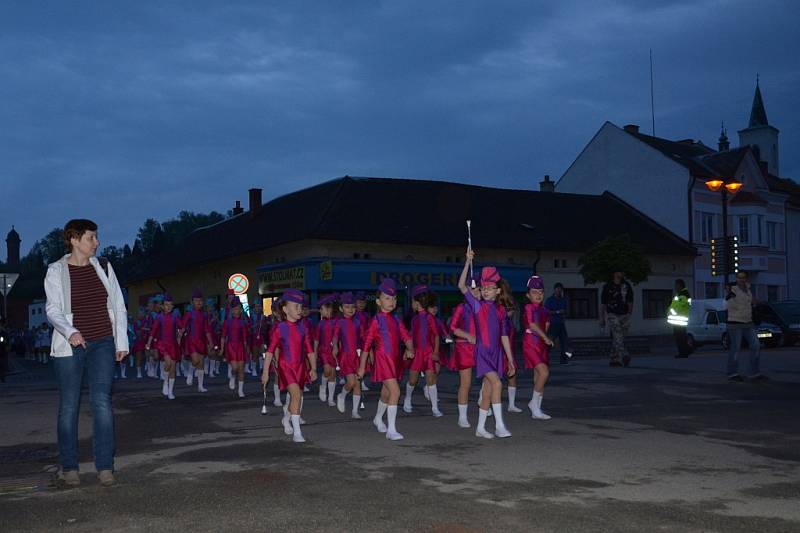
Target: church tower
<point x="761" y="135"/>
<point x="12" y="246"/>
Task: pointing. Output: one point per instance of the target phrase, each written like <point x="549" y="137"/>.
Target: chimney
<point x="546" y="185"/>
<point x="631" y="128"/>
<point x="255" y="202"/>
<point x="238" y="209"/>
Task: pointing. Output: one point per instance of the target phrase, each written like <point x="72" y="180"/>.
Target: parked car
<point x="707" y="325"/>
<point x="785" y="315"/>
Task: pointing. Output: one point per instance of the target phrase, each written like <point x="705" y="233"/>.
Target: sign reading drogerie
<point x="238" y="283"/>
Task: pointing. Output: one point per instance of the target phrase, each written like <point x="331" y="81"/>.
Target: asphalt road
<point x="667" y="445"/>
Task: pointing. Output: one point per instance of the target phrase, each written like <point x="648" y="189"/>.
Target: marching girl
<point x="324" y="349"/>
<point x="364" y="319"/>
<point x="275" y="319"/>
<point x="297" y="361"/>
<point x="310" y="327"/>
<point x="259" y="329"/>
<point x="444" y="335"/>
<point x="153" y="366"/>
<point x="536" y="344"/>
<point x="198" y="339"/>
<point x="462" y="324"/>
<point x="235" y="345"/>
<point x="425" y="336"/>
<point x="140" y="342"/>
<point x="216" y="336"/>
<point x="384" y="334"/>
<point x="347" y="342"/>
<point x="506" y="300"/>
<point x="491" y="345"/>
<point x="165" y="332"/>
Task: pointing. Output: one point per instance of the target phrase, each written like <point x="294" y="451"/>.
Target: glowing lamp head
<point x="733" y="187"/>
<point x="714" y="184"/>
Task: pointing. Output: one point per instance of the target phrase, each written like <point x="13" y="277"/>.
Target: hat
<point x="166" y="297"/>
<point x="489" y="276"/>
<point x="329" y="299"/>
<point x="158" y="298"/>
<point x="361" y="295"/>
<point x="388" y="287"/>
<point x="197" y="293"/>
<point x="293" y="295"/>
<point x="419" y="289"/>
<point x="535" y="283"/>
<point x="347" y="298"/>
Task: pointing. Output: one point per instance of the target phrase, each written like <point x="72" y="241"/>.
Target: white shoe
<point x="514" y="409"/>
<point x="171" y="396"/>
<point x="287" y="425"/>
<point x="393" y="435"/>
<point x="437" y="413"/>
<point x="202" y="389"/>
<point x="380" y="426"/>
<point x="541" y="415"/>
<point x="483" y="433"/>
<point x="463" y="423"/>
<point x="407" y="408"/>
<point x="340" y="403"/>
<point x="241" y="394"/>
<point x="298" y="437"/>
<point x="502" y="433"/>
<point x="323" y="394"/>
<point x="355" y="416"/>
<point x="232" y="383"/>
<point x="331" y="403"/>
<point x="165" y="389"/>
<point x="189" y="379"/>
<point x="277" y="402"/>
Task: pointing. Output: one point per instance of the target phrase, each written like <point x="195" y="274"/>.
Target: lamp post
<point x="724" y="186"/>
<point x="9" y="278"/>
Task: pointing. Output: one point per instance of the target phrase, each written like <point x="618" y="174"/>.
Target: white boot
<point x="331" y="390"/>
<point x="407" y="407"/>
<point x="165" y="387"/>
<point x="171" y="396"/>
<point x="122" y="370"/>
<point x="277" y="391"/>
<point x="481" y="431"/>
<point x="138" y="372"/>
<point x="230" y="372"/>
<point x="323" y="389"/>
<point x="391" y="415"/>
<point x="340" y="399"/>
<point x="297" y="435"/>
<point x="241" y="389"/>
<point x="462" y="416"/>
<point x="512" y="401"/>
<point x="500" y="429"/>
<point x="426" y="391"/>
<point x="356" y="403"/>
<point x="287" y="426"/>
<point x="378" y="420"/>
<point x="189" y="376"/>
<point x="536" y="409"/>
<point x="200" y="377"/>
<point x="232" y="383"/>
<point x="433" y="393"/>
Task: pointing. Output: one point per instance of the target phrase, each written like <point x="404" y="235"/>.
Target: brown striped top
<point x="89" y="307"/>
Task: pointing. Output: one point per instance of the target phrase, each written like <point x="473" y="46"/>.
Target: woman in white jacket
<point x="86" y="308"/>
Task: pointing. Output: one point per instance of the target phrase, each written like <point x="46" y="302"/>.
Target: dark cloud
<point x="127" y="110"/>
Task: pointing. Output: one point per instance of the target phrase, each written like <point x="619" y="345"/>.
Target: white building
<point x="37" y="314"/>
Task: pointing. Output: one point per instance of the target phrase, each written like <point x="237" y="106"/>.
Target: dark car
<point x="785" y="315"/>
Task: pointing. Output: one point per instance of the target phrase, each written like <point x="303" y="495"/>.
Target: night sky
<point x="120" y="111"/>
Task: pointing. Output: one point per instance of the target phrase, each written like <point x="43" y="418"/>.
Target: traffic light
<point x="724" y="256"/>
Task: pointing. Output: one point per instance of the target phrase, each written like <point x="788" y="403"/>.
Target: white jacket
<point x="740" y="308"/>
<point x="58" y="288"/>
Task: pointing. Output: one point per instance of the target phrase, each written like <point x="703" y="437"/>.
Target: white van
<point x="707" y="325"/>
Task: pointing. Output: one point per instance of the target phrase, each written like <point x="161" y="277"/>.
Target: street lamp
<point x="8" y="279"/>
<point x="724" y="186"/>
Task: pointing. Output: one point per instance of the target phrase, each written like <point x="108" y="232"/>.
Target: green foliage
<point x="614" y="254"/>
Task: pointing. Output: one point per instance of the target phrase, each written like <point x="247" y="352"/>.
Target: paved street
<point x="667" y="445"/>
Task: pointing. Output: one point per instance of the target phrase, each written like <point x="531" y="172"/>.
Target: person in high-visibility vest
<point x="678" y="316"/>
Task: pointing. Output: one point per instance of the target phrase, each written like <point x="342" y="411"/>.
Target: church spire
<point x="724" y="144"/>
<point x="758" y="115"/>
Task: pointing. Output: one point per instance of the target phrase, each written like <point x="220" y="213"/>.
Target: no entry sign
<point x="238" y="283"/>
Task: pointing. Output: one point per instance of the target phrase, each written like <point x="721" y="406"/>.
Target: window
<point x="711" y="318"/>
<point x="559" y="263"/>
<point x="760" y="222"/>
<point x="712" y="290"/>
<point x="772" y="235"/>
<point x="772" y="293"/>
<point x="706" y="227"/>
<point x="744" y="230"/>
<point x="582" y="303"/>
<point x="655" y="302"/>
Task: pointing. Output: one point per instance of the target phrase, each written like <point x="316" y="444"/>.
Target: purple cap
<point x="361" y="295"/>
<point x="197" y="293"/>
<point x="388" y="287"/>
<point x="535" y="283"/>
<point x="329" y="299"/>
<point x="293" y="295"/>
<point x="347" y="298"/>
<point x="489" y="276"/>
<point x="167" y="297"/>
<point x="419" y="289"/>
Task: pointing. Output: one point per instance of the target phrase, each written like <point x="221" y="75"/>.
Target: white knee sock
<point x="409" y="392"/>
<point x="171" y="385"/>
<point x="356" y="403"/>
<point x="512" y="396"/>
<point x="382" y="407"/>
<point x="391" y="412"/>
<point x="331" y="389"/>
<point x="482" y="414"/>
<point x="433" y="392"/>
<point x="276" y="390"/>
<point x="462" y="411"/>
<point x="200" y="375"/>
<point x="296" y="425"/>
<point x="497" y="409"/>
<point x="241" y="388"/>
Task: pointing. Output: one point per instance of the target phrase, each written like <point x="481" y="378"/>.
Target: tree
<point x="147" y="234"/>
<point x="614" y="254"/>
<point x="52" y="245"/>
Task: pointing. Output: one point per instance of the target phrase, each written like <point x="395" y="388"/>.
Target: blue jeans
<point x="735" y="334"/>
<point x="98" y="361"/>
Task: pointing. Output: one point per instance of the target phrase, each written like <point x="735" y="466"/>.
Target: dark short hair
<point x="558" y="285"/>
<point x="680" y="283"/>
<point x="75" y="228"/>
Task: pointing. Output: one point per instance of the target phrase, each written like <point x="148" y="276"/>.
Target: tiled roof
<point x="688" y="154"/>
<point x="409" y="212"/>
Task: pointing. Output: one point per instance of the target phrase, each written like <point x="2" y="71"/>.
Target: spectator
<point x="87" y="310"/>
<point x="558" y="306"/>
<point x="739" y="303"/>
<point x="616" y="307"/>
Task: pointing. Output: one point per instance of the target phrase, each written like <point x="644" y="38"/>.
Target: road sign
<point x="238" y="283"/>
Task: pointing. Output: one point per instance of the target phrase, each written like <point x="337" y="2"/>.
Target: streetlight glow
<point x="714" y="185"/>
